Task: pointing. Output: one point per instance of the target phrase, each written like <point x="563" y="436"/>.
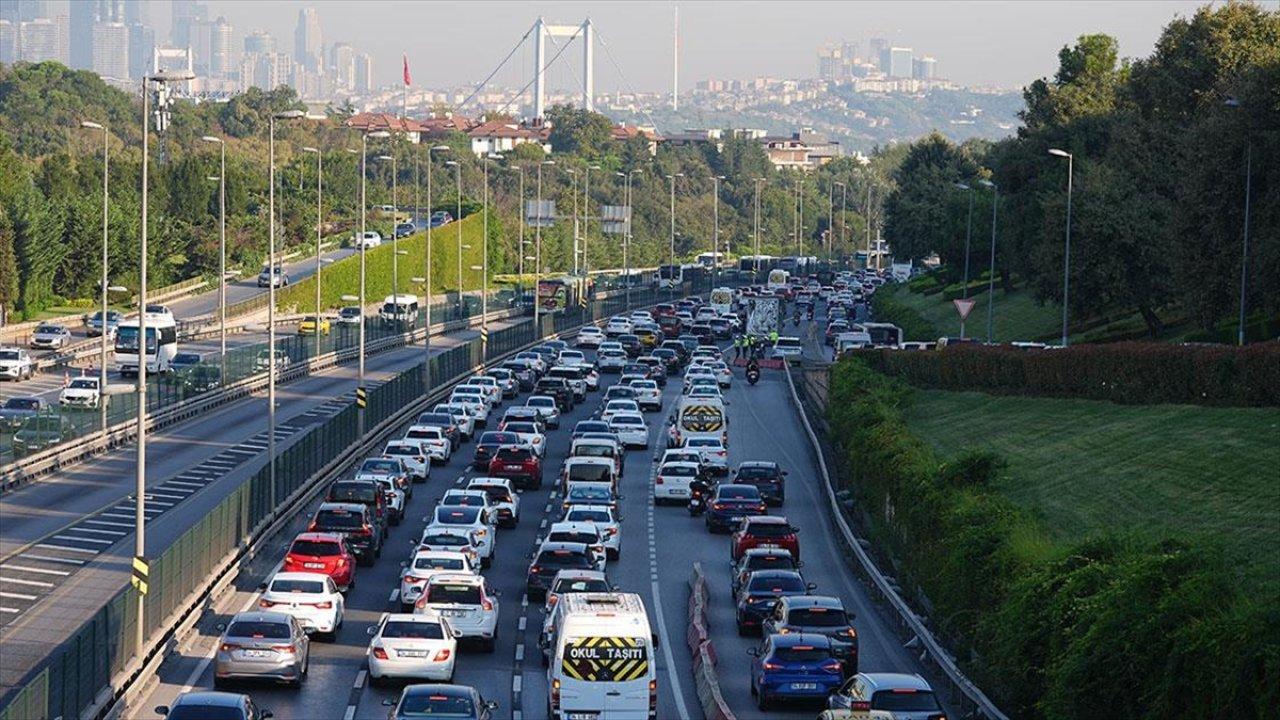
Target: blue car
<point x="730" y="503"/>
<point x="798" y="666"/>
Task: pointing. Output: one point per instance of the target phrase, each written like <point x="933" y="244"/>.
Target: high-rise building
<point x="17" y="11"/>
<point x="258" y="41"/>
<point x="308" y="45"/>
<point x="110" y="50"/>
<point x="38" y="40"/>
<point x="199" y="32"/>
<point x="876" y="47"/>
<point x="8" y="41"/>
<point x="221" y="50"/>
<point x="137" y="11"/>
<point x="830" y="62"/>
<point x="896" y="62"/>
<point x="142" y="44"/>
<point x="925" y="68"/>
<point x="342" y="62"/>
<point x="184" y="14"/>
<point x="84" y="15"/>
<point x="364" y="73"/>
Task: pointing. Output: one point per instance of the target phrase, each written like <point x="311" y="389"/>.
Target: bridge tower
<point x="542" y="30"/>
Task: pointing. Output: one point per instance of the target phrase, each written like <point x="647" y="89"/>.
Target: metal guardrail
<point x="922" y="636"/>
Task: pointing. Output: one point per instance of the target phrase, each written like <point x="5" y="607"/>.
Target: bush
<point x="953" y="292"/>
<point x="1132" y="373"/>
<point x="1108" y="628"/>
<point x="923" y="283"/>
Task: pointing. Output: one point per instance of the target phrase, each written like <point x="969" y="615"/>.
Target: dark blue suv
<point x="732" y="502"/>
<point x="796" y="666"/>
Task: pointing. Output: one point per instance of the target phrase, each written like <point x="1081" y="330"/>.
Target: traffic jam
<point x="544" y="439"/>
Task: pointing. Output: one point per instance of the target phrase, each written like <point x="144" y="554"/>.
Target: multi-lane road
<point x="659" y="547"/>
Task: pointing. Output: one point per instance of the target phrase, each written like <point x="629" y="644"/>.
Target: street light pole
<point x="672" y="284"/>
<point x="271" y="297"/>
<point x="843" y="198"/>
<point x="457" y="166"/>
<point x="991" y="271"/>
<point x="106" y="183"/>
<point x="395" y="236"/>
<point x="715" y="233"/>
<point x="1066" y="256"/>
<point x="586" y="218"/>
<point x="573" y="193"/>
<point x="222" y="252"/>
<point x="430" y="212"/>
<point x="319" y="220"/>
<point x="484" y="263"/>
<point x="968" y="236"/>
<point x="756" y="210"/>
<point x="831" y="215"/>
<point x="537" y="254"/>
<point x="520" y="220"/>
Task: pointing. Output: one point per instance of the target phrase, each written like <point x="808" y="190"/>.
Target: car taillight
<point x="860" y="706"/>
<point x="266" y="604"/>
<point x="657" y="480"/>
<point x="718" y="506"/>
<point x="551" y="601"/>
<point x="340" y="563"/>
<point x="762" y="507"/>
<point x="228" y="647"/>
<point x="852" y="633"/>
<point x="481" y="533"/>
<point x="533" y="569"/>
<point x="326" y="605"/>
<point x="772" y="666"/>
<point x="412" y="580"/>
<point x="555" y="696"/>
<point x="487" y="604"/>
<point x="365" y="530"/>
<point x="831" y="665"/>
<point x="284" y="648"/>
<point x="653" y="696"/>
<point x="380" y="653"/>
<point x="442" y="655"/>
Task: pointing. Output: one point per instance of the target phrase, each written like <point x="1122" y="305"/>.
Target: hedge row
<point x="1106" y="629"/>
<point x="1131" y="372"/>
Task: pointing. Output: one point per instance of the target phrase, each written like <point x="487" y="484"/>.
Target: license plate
<point x="677" y="491"/>
<point x="804" y="686"/>
<point x="512" y="467"/>
<point x="313" y="566"/>
<point x="736" y="518"/>
<point x="582" y="716"/>
<point x="411" y="653"/>
<point x="453" y="613"/>
<point x="256" y="654"/>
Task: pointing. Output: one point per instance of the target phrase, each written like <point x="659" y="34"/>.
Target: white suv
<point x="466" y="602"/>
<point x="15" y="364"/>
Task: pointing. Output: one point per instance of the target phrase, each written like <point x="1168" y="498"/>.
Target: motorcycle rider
<point x="699" y="490"/>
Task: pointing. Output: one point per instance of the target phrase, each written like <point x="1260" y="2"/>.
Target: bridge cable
<point x="502" y="64"/>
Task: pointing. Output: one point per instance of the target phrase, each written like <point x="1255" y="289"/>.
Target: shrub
<point x="923" y="283"/>
<point x="952" y="292"/>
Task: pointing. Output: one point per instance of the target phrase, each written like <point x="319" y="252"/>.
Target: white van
<point x="162" y="343"/>
<point x="602" y="660"/>
<point x="700" y="417"/>
<point x="589" y="469"/>
<point x="721" y="300"/>
<point x="778" y="280"/>
<point x="401" y="310"/>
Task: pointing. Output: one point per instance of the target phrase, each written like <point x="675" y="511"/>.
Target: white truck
<point x="763" y="318"/>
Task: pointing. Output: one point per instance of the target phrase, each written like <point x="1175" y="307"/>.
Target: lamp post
<point x="715" y="232"/>
<point x="140" y="480"/>
<point x="586" y="218"/>
<point x="395" y="236"/>
<point x="831" y="215"/>
<point x="756" y="209"/>
<point x="1066" y="255"/>
<point x="457" y="166"/>
<point x="426" y="343"/>
<point x="484" y="262"/>
<point x="1244" y="251"/>
<point x="271" y="297"/>
<point x="520" y="220"/>
<point x="106" y="184"/>
<point x="672" y="284"/>
<point x="991" y="271"/>
<point x="537" y="254"/>
<point x="967" y="237"/>
<point x="222" y="250"/>
<point x="626" y="232"/>
<point x="364" y="217"/>
<point x="840" y="236"/>
<point x="319" y="219"/>
<point x="573" y="193"/>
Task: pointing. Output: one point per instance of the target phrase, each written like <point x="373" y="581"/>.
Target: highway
<point x="659" y="546"/>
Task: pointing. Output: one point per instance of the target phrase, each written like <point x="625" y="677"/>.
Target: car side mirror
<point x="262" y="586"/>
<point x="264" y="714"/>
<point x="388" y="703"/>
<point x="753" y="652"/>
<point x="491" y="704"/>
<point x="654" y="638"/>
<point x="370" y="630"/>
<point x="220" y="627"/>
<point x="457" y="633"/>
<point x="811" y="586"/>
<point x="162" y="710"/>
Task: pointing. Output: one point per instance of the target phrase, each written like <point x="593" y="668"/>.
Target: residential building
<point x="39" y="40"/>
<point x="364" y="73"/>
<point x="439" y="127"/>
<point x="374" y="122"/>
<point x="925" y="68"/>
<point x="110" y="50"/>
<point x="308" y="44"/>
<point x="499" y="136"/>
<point x="8" y="41"/>
<point x="222" y="61"/>
<point x="696" y="136"/>
<point x="804" y="150"/>
<point x="896" y="62"/>
<point x="625" y="133"/>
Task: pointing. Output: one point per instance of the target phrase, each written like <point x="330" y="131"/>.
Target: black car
<point x="524" y="374"/>
<point x="553" y="557"/>
<point x="766" y="476"/>
<point x="670" y="357"/>
<point x="820" y="614"/>
<point x="201" y="378"/>
<point x="703" y="332"/>
<point x="759" y="558"/>
<point x="42" y="431"/>
<point x="445" y="421"/>
<point x="355" y="522"/>
<point x="559" y="389"/>
<point x="488" y="444"/>
<point x="631" y="344"/>
<point x="761" y="591"/>
<point x="690" y="342"/>
<point x="730" y="503"/>
<point x="365" y="492"/>
<point x="678" y="346"/>
<point x="657" y="369"/>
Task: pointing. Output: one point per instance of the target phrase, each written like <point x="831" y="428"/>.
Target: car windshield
<point x="801" y="653"/>
<point x="381" y="467"/>
<point x="775" y="583"/>
<point x="904" y="701"/>
<point x="281" y="585"/>
<point x="338" y="519"/>
<point x="438" y="563"/>
<point x="589" y="493"/>
<point x="788" y="342"/>
<point x="348" y="312"/>
<point x="463" y="499"/>
<point x="48" y="329"/>
<point x="315" y="548"/>
<point x="258" y="629"/>
<point x="22" y="404"/>
<point x="435" y="705"/>
<point x="415" y="630"/>
<point x="453" y="594"/>
<point x="8" y="354"/>
<point x="817" y="617"/>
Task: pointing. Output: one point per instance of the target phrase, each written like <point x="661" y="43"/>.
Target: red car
<point x="520" y="464"/>
<point x="323" y="553"/>
<point x="765" y="531"/>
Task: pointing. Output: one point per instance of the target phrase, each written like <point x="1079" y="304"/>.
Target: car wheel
<point x="762" y="701"/>
<point x="612" y="554"/>
<point x="742" y="629"/>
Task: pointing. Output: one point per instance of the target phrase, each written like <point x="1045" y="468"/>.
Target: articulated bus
<point x="562" y="292"/>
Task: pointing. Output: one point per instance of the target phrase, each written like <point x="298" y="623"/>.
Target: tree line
<point x="1162" y="149"/>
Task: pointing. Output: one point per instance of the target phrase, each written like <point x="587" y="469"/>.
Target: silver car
<point x="262" y="645"/>
<point x="48" y="336"/>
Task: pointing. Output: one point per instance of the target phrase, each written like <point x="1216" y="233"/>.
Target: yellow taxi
<point x="310" y="323"/>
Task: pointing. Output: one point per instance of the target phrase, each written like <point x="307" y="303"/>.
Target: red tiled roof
<point x="506" y="129"/>
<point x="384" y="121"/>
<point x="626" y="132"/>
<point x="444" y="125"/>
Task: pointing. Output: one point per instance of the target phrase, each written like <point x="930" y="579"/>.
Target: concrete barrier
<point x="706" y="680"/>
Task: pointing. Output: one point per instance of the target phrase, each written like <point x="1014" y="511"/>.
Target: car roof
<point x="757" y="464"/>
<point x="209" y="698"/>
<point x="766" y="551"/>
<point x="564" y="547"/>
<point x="260" y="616"/>
<point x="886" y="681"/>
<point x="349" y="507"/>
<point x="319" y="537"/>
<point x="455" y="577"/>
<point x="437" y="689"/>
<point x="766" y="520"/>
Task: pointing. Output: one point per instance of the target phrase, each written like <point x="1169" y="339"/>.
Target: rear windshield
<point x="817" y="617"/>
<point x="400" y="450"/>
<point x="801" y="653"/>
<point x="769" y="529"/>
<point x="417" y="630"/>
<point x="316" y="548"/>
<point x="463" y="499"/>
<point x="499" y="438"/>
<point x="424" y="434"/>
<point x="445" y="540"/>
<point x="736" y="493"/>
<point x="457" y="594"/>
<point x="921" y="701"/>
<point x="589" y="493"/>
<point x="628" y="420"/>
<point x="22" y="404"/>
<point x="435" y="418"/>
<point x="384" y="467"/>
<point x="678" y="471"/>
<point x="514" y="454"/>
<point x="586" y="538"/>
<point x="770" y="562"/>
<point x="594" y="451"/>
<point x="262" y="629"/>
<point x="438" y="563"/>
<point x="590" y="473"/>
<point x="199" y="711"/>
<point x="776" y="583"/>
<point x="297" y="586"/>
<point x="456" y="515"/>
<point x="496" y="493"/>
<point x="338" y="519"/>
<point x="588" y="516"/>
<point x="436" y="706"/>
<point x="757" y="473"/>
<point x="580" y="585"/>
<point x="527" y="428"/>
<point x="564" y="559"/>
<point x="358" y="492"/>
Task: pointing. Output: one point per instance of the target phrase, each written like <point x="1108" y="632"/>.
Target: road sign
<point x="964" y="306"/>
<point x="141" y="574"/>
<point x="362" y="399"/>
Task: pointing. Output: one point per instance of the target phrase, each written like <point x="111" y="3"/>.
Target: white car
<point x="579" y="532"/>
<point x="462" y="415"/>
<point x="605" y="519"/>
<point x="546" y="407"/>
<point x="466" y="602"/>
<point x="81" y="392"/>
<point x="648" y="394"/>
<point x="395" y="497"/>
<point x="589" y="336"/>
<point x="681" y="455"/>
<point x="617" y="326"/>
<point x="453" y="539"/>
<point x="48" y="336"/>
<point x="418" y="646"/>
<point x="715" y="457"/>
<point x="610" y="346"/>
<point x="369" y="239"/>
<point x="413" y="455"/>
<point x="424" y="564"/>
<point x="15" y="364"/>
<point x="476" y="399"/>
<point x="723" y="374"/>
<point x="787" y="347"/>
<point x="432" y="440"/>
<point x="490" y="385"/>
<point x="310" y="597"/>
<point x="612" y="360"/>
<point x="571" y="357"/>
<point x="469" y="518"/>
<point x="471" y="498"/>
<point x="631" y="429"/>
<point x="503" y="498"/>
<point x="638" y="316"/>
<point x="592" y="377"/>
<point x="529" y="435"/>
<point x="613" y="407"/>
<point x="533" y="360"/>
<point x="671" y="484"/>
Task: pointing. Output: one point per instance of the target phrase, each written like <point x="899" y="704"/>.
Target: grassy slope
<point x="1016" y="315"/>
<point x="343" y="277"/>
<point x="1082" y="466"/>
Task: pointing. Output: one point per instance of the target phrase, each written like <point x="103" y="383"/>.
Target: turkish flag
<point x="407" y="79"/>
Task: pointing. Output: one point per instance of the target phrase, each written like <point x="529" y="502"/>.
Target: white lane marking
<point x="183" y="483"/>
<point x="350" y="713"/>
<point x="73" y="538"/>
<point x="17" y="596"/>
<point x="115" y="533"/>
<point x="519" y="649"/>
<point x="165" y="496"/>
<point x="207" y="660"/>
<point x="39" y="571"/>
<point x="523" y="623"/>
<point x="47" y="558"/>
<point x="32" y="583"/>
<point x="395" y="595"/>
<point x="360" y="676"/>
<point x="122" y="515"/>
<point x="9" y="610"/>
<point x="109" y="523"/>
<point x="542" y="525"/>
<point x="70" y="549"/>
<point x="516" y="682"/>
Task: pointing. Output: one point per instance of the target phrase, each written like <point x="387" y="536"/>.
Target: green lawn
<point x="1016" y="315"/>
<point x="1169" y="470"/>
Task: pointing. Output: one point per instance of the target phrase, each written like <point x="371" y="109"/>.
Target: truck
<point x="763" y="317"/>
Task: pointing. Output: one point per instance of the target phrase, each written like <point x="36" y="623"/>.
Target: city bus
<point x="562" y="292"/>
<point x="710" y="259"/>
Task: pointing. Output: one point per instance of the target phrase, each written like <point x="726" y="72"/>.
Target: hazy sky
<point x="1005" y="43"/>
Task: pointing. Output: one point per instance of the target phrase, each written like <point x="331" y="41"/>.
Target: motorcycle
<point x="697" y="505"/>
<point x="753" y="374"/>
